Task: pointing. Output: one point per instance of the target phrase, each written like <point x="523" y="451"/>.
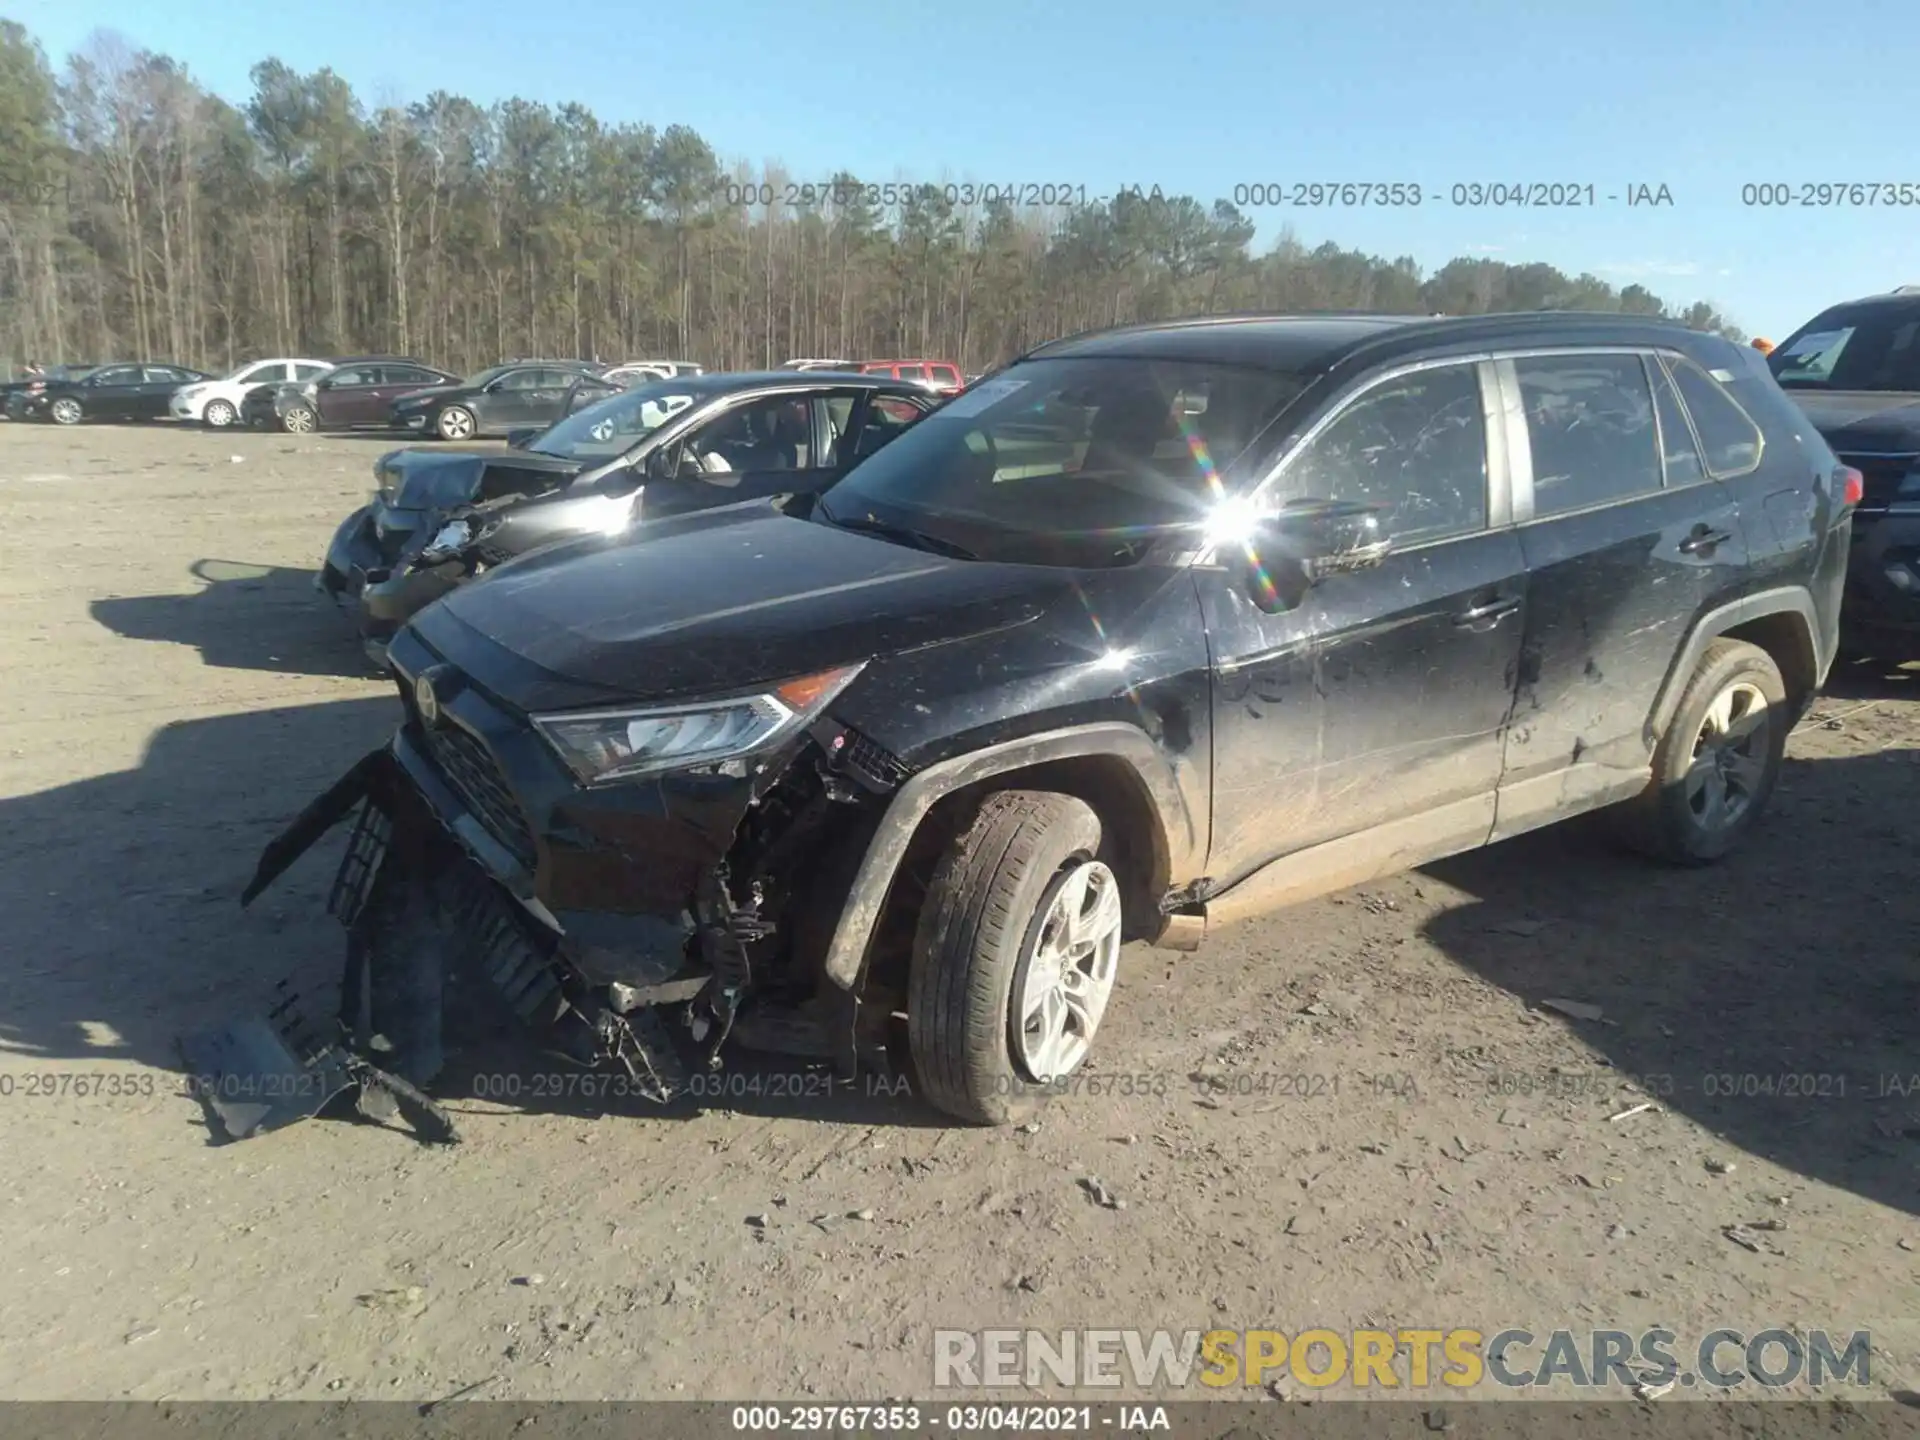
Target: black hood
<point x="443" y="480"/>
<point x="1864" y="421"/>
<point x="715" y="602"/>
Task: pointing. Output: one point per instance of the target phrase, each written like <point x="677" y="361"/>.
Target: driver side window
<point x="1415" y="446"/>
<point x="775" y="434"/>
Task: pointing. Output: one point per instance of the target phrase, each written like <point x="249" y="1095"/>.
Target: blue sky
<point x="1702" y="96"/>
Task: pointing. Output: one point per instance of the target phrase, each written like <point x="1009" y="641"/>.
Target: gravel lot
<point x="1446" y="1157"/>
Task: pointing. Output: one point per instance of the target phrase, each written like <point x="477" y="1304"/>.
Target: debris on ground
<point x="1632" y="1110"/>
<point x="1748" y="1237"/>
<point x="408" y="1301"/>
<point x="1717" y="1166"/>
<point x="1100" y="1194"/>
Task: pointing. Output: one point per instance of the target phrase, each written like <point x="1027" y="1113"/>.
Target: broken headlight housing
<point x="600" y="746"/>
<point x="453" y="537"/>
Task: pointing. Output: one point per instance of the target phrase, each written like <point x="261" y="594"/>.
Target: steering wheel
<point x="602" y="430"/>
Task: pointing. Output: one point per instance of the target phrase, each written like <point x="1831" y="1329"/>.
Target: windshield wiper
<point x="918" y="539"/>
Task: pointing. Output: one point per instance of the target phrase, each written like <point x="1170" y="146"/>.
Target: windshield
<point x="616" y="424"/>
<point x="1852" y="350"/>
<point x="486" y="377"/>
<point x="1071" y="461"/>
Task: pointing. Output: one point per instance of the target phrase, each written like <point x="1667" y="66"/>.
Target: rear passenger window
<point x="1729" y="437"/>
<point x="1590" y="426"/>
<point x="1677" y="447"/>
<point x="1415" y="446"/>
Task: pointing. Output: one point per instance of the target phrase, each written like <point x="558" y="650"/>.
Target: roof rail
<point x="1905" y="290"/>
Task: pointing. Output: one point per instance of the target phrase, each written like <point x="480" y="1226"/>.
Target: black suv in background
<point x="1153" y="629"/>
<point x="1855" y="369"/>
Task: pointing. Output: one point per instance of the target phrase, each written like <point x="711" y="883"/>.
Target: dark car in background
<point x="1153" y="630"/>
<point x="14" y="393"/>
<point x="437" y="519"/>
<point x="508" y="397"/>
<point x="1855" y="370"/>
<point x="357" y="394"/>
<point x="121" y="391"/>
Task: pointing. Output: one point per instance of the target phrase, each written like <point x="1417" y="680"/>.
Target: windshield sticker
<point x="991" y="392"/>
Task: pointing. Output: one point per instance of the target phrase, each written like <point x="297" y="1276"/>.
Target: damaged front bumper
<point x="372" y="568"/>
<point x="423" y="915"/>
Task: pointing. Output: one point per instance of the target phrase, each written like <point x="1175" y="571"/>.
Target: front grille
<point x="878" y="763"/>
<point x="469" y="767"/>
<point x="1881" y="475"/>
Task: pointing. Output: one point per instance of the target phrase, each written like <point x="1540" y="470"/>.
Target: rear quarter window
<point x="1731" y="441"/>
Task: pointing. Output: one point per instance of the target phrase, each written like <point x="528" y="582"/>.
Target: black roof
<point x="385" y="360"/>
<point x="1317" y="342"/>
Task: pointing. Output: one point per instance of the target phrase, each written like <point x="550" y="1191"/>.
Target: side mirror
<point x="1305" y="543"/>
<point x="521" y="438"/>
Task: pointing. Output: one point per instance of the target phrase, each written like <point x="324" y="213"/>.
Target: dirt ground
<point x="1388" y="1128"/>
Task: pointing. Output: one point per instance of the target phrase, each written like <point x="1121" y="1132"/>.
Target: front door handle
<point x="1487" y="614"/>
<point x="1703" y="541"/>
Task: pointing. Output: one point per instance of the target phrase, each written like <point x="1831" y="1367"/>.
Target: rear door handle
<point x="1487" y="614"/>
<point x="1703" y="541"/>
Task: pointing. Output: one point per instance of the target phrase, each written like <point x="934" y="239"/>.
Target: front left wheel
<point x="1015" y="956"/>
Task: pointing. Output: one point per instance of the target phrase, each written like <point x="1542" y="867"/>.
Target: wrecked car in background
<point x="1157" y="628"/>
<point x="438" y="519"/>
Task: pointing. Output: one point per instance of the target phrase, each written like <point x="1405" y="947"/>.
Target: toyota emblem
<point x="427" y="702"/>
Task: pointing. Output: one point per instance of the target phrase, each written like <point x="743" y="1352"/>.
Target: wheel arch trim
<point x="1793" y="600"/>
<point x="866" y="898"/>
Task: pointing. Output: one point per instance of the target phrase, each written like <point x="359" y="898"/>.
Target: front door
<point x="763" y="446"/>
<point x="1627" y="539"/>
<point x="512" y="401"/>
<point x="1382" y="697"/>
<point x="114" y="393"/>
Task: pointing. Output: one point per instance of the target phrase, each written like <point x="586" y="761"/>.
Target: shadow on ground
<point x="246" y="617"/>
<point x="1773" y="999"/>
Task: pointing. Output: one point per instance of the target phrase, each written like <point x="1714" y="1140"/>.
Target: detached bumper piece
<point x="263" y="1073"/>
<point x="421" y="918"/>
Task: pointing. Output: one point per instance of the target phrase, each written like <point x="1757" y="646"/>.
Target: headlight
<point x="603" y="745"/>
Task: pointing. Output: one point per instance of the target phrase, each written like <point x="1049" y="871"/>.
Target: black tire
<point x="219" y="414"/>
<point x="1666" y="821"/>
<point x="300" y="420"/>
<point x="981" y="911"/>
<point x="65" y="411"/>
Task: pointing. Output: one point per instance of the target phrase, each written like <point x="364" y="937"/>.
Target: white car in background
<point x="217" y="402"/>
<point x="640" y="372"/>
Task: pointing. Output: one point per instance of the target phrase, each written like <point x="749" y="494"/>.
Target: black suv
<point x="1855" y="370"/>
<point x="1156" y="628"/>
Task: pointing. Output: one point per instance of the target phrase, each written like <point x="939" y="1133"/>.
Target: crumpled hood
<point x="443" y="480"/>
<point x="713" y="602"/>
<point x="1874" y="421"/>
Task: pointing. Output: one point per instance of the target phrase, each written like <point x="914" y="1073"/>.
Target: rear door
<point x="873" y="422"/>
<point x="1383" y="696"/>
<point x="1627" y="538"/>
<point x="348" y="396"/>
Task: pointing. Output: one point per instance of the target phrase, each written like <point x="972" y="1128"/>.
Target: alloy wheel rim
<point x="1730" y="754"/>
<point x="66" y="411"/>
<point x="219" y="414"/>
<point x="455" y="425"/>
<point x="299" y="421"/>
<point x="1065" y="978"/>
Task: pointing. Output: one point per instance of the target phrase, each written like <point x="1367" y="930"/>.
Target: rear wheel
<point x="455" y="423"/>
<point x="65" y="412"/>
<point x="300" y="420"/>
<point x="1015" y="957"/>
<point x="1716" y="766"/>
<point x="219" y="414"/>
